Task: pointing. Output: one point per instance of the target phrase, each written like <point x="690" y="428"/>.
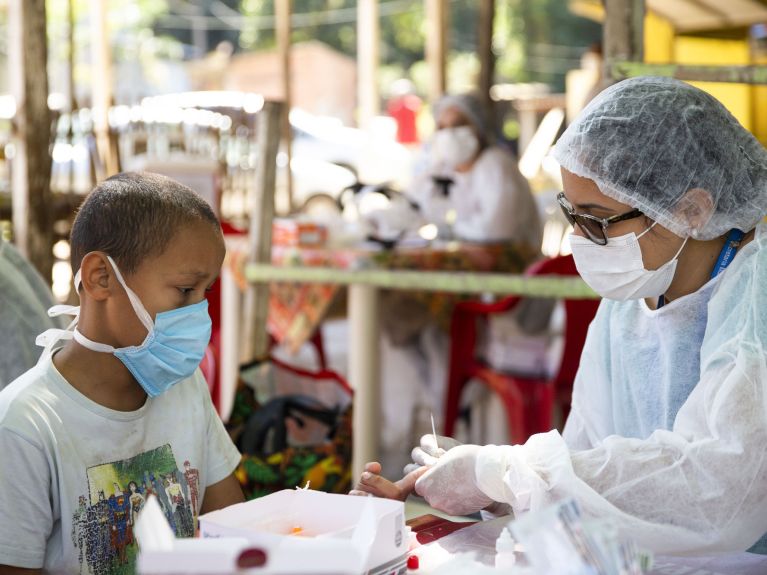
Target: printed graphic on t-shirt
<point x="102" y="525"/>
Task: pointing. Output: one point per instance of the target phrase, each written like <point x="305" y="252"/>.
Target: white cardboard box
<point x="339" y="534"/>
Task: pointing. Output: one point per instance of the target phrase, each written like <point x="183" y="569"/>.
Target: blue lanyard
<point x="731" y="245"/>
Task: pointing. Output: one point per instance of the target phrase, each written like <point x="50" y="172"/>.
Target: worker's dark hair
<point x="132" y="216"/>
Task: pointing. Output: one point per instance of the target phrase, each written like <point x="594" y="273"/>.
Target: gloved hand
<point x="451" y="484"/>
<point x="428" y="451"/>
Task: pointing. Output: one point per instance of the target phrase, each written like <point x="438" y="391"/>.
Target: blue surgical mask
<point x="172" y="349"/>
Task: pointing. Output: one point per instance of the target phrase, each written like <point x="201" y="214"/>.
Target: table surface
<point x="479" y="539"/>
<point x="305" y="280"/>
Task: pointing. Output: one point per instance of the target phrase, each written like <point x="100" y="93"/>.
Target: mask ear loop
<point x="679" y="251"/>
<point x="136" y="304"/>
<point x="138" y="307"/>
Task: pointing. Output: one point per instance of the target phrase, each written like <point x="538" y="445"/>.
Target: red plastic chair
<point x="529" y="402"/>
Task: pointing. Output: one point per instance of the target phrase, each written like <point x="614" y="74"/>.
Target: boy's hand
<point x="372" y="483"/>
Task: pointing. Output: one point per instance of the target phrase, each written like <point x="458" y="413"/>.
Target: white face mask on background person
<point x="616" y="270"/>
<point x="455" y="146"/>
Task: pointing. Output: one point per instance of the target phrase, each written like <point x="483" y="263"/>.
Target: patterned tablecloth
<point x="296" y="310"/>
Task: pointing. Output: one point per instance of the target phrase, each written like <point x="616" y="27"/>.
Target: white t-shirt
<point x="74" y="474"/>
<point x="492" y="201"/>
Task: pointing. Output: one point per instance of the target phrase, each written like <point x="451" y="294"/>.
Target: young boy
<point x="119" y="402"/>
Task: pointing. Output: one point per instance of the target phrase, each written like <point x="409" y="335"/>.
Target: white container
<point x="339" y="534"/>
<point x="197" y="556"/>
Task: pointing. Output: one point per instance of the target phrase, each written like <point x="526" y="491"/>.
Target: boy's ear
<point x="95" y="273"/>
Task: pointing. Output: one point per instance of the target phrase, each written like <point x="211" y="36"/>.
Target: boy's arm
<point x="219" y="495"/>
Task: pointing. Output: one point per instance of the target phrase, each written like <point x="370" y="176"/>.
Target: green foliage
<point x="538" y="41"/>
<point x="534" y="40"/>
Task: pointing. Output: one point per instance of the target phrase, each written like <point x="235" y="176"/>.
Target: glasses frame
<point x="580" y="219"/>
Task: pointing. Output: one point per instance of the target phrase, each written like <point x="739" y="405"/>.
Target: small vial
<point x="504" y="550"/>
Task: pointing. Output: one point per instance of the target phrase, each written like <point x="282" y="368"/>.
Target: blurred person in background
<point x="471" y="189"/>
<point x="24" y="301"/>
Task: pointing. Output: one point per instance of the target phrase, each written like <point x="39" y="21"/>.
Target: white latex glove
<point x="428" y="451"/>
<point x="451" y="484"/>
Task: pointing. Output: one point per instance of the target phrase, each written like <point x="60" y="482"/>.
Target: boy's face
<point x="176" y="278"/>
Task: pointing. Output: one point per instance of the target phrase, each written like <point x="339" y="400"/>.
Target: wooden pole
<point x="436" y="47"/>
<point x="623" y="34"/>
<point x="101" y="86"/>
<point x="364" y="374"/>
<point x="31" y="168"/>
<point x="71" y="59"/>
<point x="255" y="339"/>
<point x="283" y="10"/>
<point x="486" y="58"/>
<point x="368" y="42"/>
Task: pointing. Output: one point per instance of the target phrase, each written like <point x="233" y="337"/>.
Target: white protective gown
<point x="668" y="430"/>
<point x="492" y="201"/>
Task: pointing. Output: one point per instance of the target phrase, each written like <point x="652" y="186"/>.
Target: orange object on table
<point x="289" y="232"/>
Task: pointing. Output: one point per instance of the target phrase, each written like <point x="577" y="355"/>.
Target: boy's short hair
<point x="132" y="216"/>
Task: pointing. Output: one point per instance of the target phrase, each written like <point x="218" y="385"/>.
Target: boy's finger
<point x="410" y="467"/>
<point x="373" y="480"/>
<point x="407" y="483"/>
<point x="373" y="467"/>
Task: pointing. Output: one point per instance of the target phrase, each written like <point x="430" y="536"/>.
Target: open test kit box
<point x="303" y="531"/>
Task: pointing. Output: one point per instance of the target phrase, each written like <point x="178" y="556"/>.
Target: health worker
<point x="666" y="192"/>
<point x="472" y="188"/>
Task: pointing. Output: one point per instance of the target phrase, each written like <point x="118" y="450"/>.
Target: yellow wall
<point x="658" y="40"/>
<point x="747" y="103"/>
<point x="759" y="107"/>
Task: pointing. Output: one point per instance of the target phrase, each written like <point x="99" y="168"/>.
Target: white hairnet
<point x="647" y="141"/>
<point x="470" y="106"/>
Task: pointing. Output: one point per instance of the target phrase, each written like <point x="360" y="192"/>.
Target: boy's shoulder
<point x="21" y="401"/>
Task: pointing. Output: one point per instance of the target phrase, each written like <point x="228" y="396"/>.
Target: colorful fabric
<point x="326" y="466"/>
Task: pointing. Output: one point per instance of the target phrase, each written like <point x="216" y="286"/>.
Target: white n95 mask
<point x="616" y="270"/>
<point x="455" y="146"/>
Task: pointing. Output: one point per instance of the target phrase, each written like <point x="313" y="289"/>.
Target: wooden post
<point x="31" y="179"/>
<point x="486" y="58"/>
<point x="623" y="34"/>
<point x="101" y="72"/>
<point x="436" y="47"/>
<point x="255" y="339"/>
<point x="368" y="41"/>
<point x="364" y="374"/>
<point x="283" y="10"/>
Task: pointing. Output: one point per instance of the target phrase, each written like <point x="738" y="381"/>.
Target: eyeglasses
<point x="595" y="228"/>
